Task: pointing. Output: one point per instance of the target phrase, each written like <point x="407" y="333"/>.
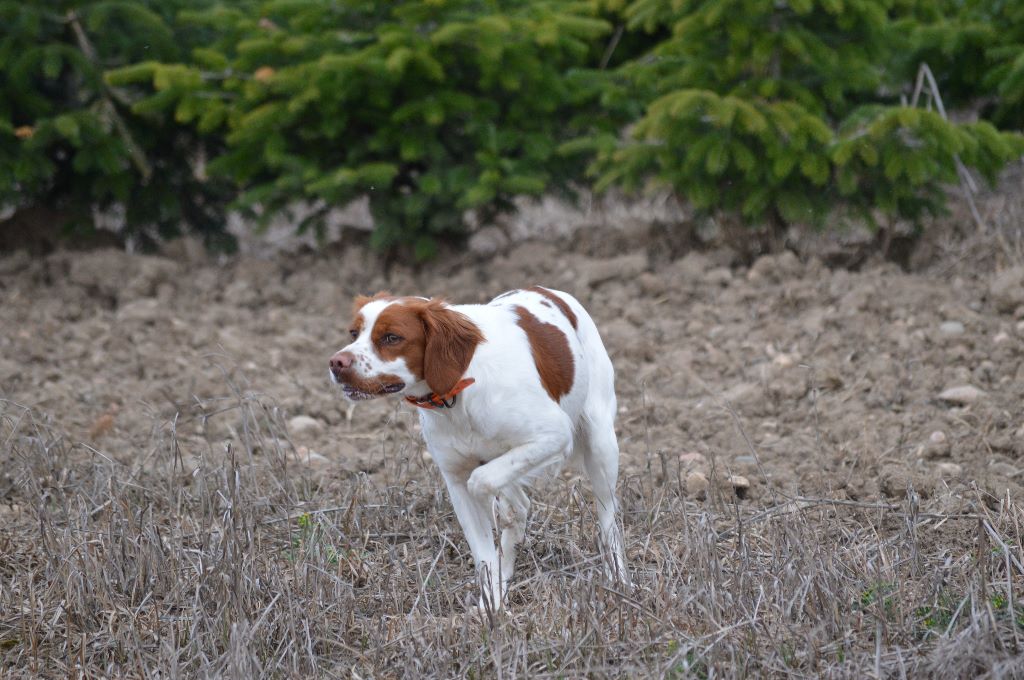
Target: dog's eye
<point x="390" y="339"/>
<point x="354" y="333"/>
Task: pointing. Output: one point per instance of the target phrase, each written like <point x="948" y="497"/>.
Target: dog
<point x="507" y="392"/>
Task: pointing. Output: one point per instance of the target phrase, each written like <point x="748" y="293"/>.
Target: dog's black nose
<point x="341" y="361"/>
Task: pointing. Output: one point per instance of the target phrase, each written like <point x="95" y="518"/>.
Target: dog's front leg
<point x="474" y="515"/>
<point x="515" y="466"/>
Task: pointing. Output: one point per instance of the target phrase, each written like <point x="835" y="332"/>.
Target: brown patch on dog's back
<point x="551" y="353"/>
<point x="562" y="305"/>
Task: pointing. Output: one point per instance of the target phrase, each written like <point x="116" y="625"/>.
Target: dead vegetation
<point x="245" y="566"/>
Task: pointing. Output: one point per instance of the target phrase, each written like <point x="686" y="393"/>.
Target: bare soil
<point x="140" y="394"/>
<point x="833" y="376"/>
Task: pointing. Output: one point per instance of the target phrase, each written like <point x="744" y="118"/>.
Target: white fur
<point x="505" y="430"/>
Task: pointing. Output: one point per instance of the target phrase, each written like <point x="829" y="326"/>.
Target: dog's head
<point x="403" y="343"/>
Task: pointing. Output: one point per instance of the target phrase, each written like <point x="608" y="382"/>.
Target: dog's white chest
<point x="458" y="445"/>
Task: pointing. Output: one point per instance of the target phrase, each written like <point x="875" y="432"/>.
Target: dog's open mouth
<point x="357" y="394"/>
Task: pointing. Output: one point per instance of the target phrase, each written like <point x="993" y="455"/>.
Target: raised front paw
<point x="482" y="483"/>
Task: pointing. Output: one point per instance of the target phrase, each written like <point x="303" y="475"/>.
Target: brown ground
<point x="810" y="382"/>
<point x="834" y="375"/>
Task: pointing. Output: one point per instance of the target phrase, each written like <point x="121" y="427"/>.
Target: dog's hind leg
<point x="601" y="460"/>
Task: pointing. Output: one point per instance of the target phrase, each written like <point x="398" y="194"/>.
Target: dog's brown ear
<point x="451" y="340"/>
<point x="361" y="301"/>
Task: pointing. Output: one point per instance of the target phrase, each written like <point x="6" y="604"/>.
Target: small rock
<point x="427" y="458"/>
<point x="692" y="460"/>
<point x="143" y="310"/>
<point x="302" y="426"/>
<point x="690" y="268"/>
<point x="951" y="328"/>
<point x="740" y="485"/>
<point x="937" y="446"/>
<point x="948" y="469"/>
<point x="652" y="284"/>
<point x="745" y="460"/>
<point x="697" y="485"/>
<point x="1000" y="337"/>
<point x="1006" y="289"/>
<point x="962" y="395"/>
<point x="783" y="360"/>
<point x="776" y="268"/>
<point x="309" y="457"/>
<point x="1003" y="469"/>
<point x="719" y="276"/>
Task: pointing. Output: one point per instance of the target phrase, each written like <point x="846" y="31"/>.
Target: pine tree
<point x="431" y="109"/>
<point x="67" y="139"/>
<point x="975" y="48"/>
<point x="780" y="112"/>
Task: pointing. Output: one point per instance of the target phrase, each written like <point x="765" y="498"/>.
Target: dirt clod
<point x="947" y="469"/>
<point x="697" y="485"/>
<point x="1007" y="289"/>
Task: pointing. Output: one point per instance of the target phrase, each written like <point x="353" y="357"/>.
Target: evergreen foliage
<point x="67" y="139"/>
<point x="771" y="111"/>
<point x="431" y="109"/>
<point x="976" y="50"/>
<point x="778" y="112"/>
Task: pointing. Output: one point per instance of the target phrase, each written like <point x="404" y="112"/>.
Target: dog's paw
<point x="481" y="484"/>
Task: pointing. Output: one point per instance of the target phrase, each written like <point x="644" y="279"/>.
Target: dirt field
<point x="821" y="473"/>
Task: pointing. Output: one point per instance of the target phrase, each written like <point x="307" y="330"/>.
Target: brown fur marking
<point x="360" y="302"/>
<point x="551" y="353"/>
<point x="562" y="305"/>
<point x="404" y="320"/>
<point x="375" y="385"/>
<point x="437" y="343"/>
<point x="450" y="344"/>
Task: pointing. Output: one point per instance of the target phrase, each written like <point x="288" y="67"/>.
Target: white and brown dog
<point x="508" y="391"/>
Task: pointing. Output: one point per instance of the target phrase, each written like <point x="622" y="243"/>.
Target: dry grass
<point x="247" y="566"/>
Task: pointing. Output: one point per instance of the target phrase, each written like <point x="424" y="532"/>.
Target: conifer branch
<point x="134" y="150"/>
<point x="612" y="44"/>
<point x="967" y="183"/>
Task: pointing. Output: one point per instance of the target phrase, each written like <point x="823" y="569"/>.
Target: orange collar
<point x="434" y="400"/>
